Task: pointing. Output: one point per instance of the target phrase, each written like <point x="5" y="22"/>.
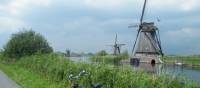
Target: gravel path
<point x="6" y="82"/>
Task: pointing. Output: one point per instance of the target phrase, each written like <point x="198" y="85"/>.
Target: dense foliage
<point x="102" y="53"/>
<point x="110" y="59"/>
<point x="57" y="69"/>
<point x="26" y="43"/>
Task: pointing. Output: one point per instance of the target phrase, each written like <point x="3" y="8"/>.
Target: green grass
<point x="108" y="59"/>
<point x="29" y="79"/>
<point x="51" y="71"/>
<point x="190" y="60"/>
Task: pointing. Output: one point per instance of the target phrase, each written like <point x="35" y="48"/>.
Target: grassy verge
<point x="108" y="59"/>
<point x="189" y="60"/>
<point x="51" y="71"/>
<point x="28" y="79"/>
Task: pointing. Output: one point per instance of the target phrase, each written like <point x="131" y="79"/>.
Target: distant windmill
<point x="116" y="47"/>
<point x="147" y="47"/>
<point x="68" y="53"/>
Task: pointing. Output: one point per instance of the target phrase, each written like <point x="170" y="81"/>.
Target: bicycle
<point x="75" y="80"/>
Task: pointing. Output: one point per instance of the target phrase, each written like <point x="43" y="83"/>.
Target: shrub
<point x="102" y="53"/>
<point x="109" y="59"/>
<point x="1" y="57"/>
<point x="125" y="54"/>
<point x="25" y="43"/>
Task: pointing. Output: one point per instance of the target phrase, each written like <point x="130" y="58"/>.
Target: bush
<point x="25" y="43"/>
<point x="102" y="53"/>
<point x="124" y="55"/>
<point x="109" y="59"/>
<point x="1" y="57"/>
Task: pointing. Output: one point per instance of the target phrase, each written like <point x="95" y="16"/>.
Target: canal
<point x="170" y="69"/>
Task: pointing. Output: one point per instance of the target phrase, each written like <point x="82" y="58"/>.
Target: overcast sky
<point x="90" y="25"/>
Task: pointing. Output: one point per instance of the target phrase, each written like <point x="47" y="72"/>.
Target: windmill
<point x="116" y="47"/>
<point x="147" y="46"/>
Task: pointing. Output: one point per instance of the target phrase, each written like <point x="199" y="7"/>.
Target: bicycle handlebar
<point x="75" y="79"/>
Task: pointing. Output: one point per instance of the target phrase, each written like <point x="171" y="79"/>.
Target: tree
<point x="68" y="53"/>
<point x="125" y="54"/>
<point x="1" y="51"/>
<point x="25" y="43"/>
<point x="102" y="53"/>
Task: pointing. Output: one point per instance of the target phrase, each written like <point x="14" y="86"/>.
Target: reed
<point x="189" y="60"/>
<point x="57" y="69"/>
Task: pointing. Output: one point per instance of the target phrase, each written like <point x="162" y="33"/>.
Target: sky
<point x="90" y="25"/>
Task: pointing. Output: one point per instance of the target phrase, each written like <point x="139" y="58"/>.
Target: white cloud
<point x="184" y="33"/>
<point x="109" y="4"/>
<point x="183" y="41"/>
<point x="103" y="3"/>
<point x="93" y="24"/>
<point x="189" y="5"/>
<point x="16" y="7"/>
<point x="88" y="29"/>
<point x="10" y="24"/>
<point x="183" y="5"/>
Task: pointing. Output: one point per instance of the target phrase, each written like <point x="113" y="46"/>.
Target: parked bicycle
<point x="75" y="80"/>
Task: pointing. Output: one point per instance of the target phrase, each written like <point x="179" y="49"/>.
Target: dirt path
<point x="6" y="82"/>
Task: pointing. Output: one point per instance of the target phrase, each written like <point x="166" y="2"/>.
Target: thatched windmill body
<point x="147" y="47"/>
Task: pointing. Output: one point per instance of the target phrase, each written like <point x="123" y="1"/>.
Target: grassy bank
<point x="188" y="60"/>
<point x="108" y="59"/>
<point x="27" y="78"/>
<point x="52" y="71"/>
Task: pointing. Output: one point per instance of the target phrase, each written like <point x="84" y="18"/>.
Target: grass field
<point x="52" y="71"/>
<point x="29" y="79"/>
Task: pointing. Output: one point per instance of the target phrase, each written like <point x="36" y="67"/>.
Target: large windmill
<point x="117" y="47"/>
<point x="147" y="47"/>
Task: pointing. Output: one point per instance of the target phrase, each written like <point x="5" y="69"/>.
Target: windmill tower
<point x="116" y="47"/>
<point x="147" y="47"/>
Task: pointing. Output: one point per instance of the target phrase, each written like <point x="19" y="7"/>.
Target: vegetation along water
<point x="37" y="66"/>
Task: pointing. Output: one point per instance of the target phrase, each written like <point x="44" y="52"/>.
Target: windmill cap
<point x="148" y="27"/>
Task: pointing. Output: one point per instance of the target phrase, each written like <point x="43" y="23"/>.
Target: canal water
<point x="85" y="59"/>
<point x="170" y="69"/>
<point x="158" y="69"/>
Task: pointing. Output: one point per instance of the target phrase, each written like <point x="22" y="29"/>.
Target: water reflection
<point x="173" y="70"/>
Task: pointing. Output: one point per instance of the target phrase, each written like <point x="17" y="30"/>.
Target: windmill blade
<point x="115" y="51"/>
<point x="110" y="45"/>
<point x="143" y="10"/>
<point x="159" y="43"/>
<point x="116" y="39"/>
<point x="158" y="19"/>
<point x="119" y="51"/>
<point x="133" y="26"/>
<point x="136" y="41"/>
<point x="121" y="44"/>
<point x="152" y="41"/>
